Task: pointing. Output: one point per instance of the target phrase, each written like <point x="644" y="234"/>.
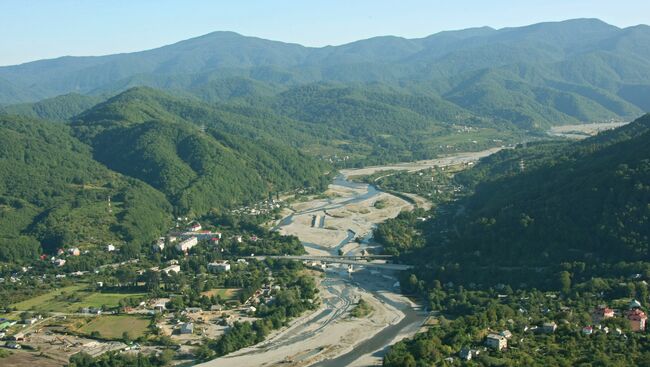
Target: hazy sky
<point x="36" y="29"/>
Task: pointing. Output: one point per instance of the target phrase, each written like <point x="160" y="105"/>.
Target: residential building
<point x="159" y="246"/>
<point x="601" y="313"/>
<point x="549" y="327"/>
<point x="30" y="321"/>
<point x="506" y="334"/>
<point x="496" y="342"/>
<point x="635" y="304"/>
<point x="187" y="244"/>
<point x="110" y="248"/>
<point x="588" y="330"/>
<point x="59" y="262"/>
<point x="187" y="328"/>
<point x="74" y="251"/>
<point x="637" y="319"/>
<point x="195" y="227"/>
<point x="467" y="354"/>
<point x="172" y="269"/>
<point x="219" y="266"/>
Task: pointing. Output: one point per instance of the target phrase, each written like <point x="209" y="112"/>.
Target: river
<point x="328" y="337"/>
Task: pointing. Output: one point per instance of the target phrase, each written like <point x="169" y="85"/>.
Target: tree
<point x="564" y="278"/>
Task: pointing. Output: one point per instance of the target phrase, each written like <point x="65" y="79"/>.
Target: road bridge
<point x="346" y="260"/>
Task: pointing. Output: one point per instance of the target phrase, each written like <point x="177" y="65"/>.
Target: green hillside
<point x="60" y="108"/>
<point x="547" y="203"/>
<point x="197" y="156"/>
<point x="53" y="194"/>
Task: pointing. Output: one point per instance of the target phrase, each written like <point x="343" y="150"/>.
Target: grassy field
<point x="71" y="299"/>
<point x="114" y="326"/>
<point x="226" y="294"/>
<point x="47" y="302"/>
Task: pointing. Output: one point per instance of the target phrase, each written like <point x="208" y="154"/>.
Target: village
<point x="139" y="305"/>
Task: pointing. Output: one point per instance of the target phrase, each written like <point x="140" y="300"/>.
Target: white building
<point x="219" y="266"/>
<point x="187" y="244"/>
<point x="59" y="262"/>
<point x="172" y="269"/>
<point x="110" y="248"/>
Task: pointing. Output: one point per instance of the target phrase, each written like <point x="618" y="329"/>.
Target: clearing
<point x="114" y="326"/>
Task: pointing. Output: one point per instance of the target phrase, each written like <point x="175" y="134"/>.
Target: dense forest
<point x="541" y="204"/>
<point x="151" y="155"/>
<point x="53" y="194"/>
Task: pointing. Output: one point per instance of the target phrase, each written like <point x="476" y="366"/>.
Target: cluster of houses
<point x="635" y="316"/>
<point x="260" y="208"/>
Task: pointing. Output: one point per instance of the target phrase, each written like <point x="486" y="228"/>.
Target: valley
<point x="329" y="337"/>
<point x="475" y="197"/>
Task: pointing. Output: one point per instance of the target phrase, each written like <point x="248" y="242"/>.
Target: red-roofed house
<point x="637" y="319"/>
<point x="601" y="313"/>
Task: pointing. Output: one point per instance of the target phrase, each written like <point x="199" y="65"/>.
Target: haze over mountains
<point x="548" y="73"/>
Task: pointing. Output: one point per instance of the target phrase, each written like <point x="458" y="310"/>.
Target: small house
<point x="187" y="328"/>
<point x="172" y="269"/>
<point x="637" y="319"/>
<point x="587" y="330"/>
<point x="467" y="354"/>
<point x="110" y="248"/>
<point x="506" y="334"/>
<point x="635" y="304"/>
<point x="601" y="313"/>
<point x="59" y="262"/>
<point x="496" y="342"/>
<point x="219" y="266"/>
<point x="549" y="327"/>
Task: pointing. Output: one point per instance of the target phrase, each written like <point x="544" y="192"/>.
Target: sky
<point x="38" y="29"/>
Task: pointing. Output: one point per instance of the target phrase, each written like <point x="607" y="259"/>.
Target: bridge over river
<point x="364" y="261"/>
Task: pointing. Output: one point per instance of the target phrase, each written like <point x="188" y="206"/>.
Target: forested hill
<point x="530" y="77"/>
<point x="154" y="155"/>
<point x="53" y="194"/>
<point x="199" y="157"/>
<point x="552" y="202"/>
<point x="60" y="108"/>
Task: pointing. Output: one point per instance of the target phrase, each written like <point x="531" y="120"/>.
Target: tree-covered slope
<point x="53" y="194"/>
<point x="60" y="108"/>
<point x="199" y="157"/>
<point x="552" y="202"/>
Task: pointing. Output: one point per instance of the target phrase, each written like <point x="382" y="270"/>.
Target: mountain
<point x="549" y="73"/>
<point x="53" y="194"/>
<point x="549" y="203"/>
<point x="198" y="157"/>
<point x="154" y="156"/>
<point x="60" y="108"/>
